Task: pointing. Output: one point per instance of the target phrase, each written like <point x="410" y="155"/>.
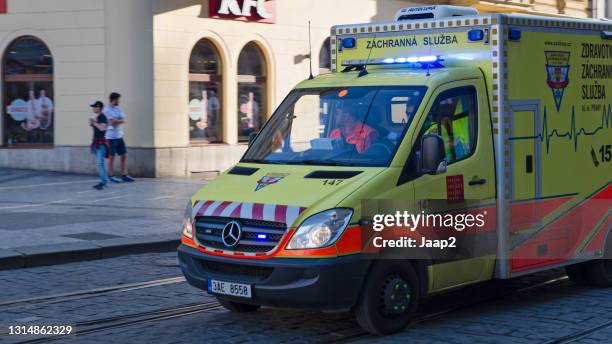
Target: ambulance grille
<point x="258" y="236"/>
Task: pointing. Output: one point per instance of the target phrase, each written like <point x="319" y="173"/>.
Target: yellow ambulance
<point x="443" y="110"/>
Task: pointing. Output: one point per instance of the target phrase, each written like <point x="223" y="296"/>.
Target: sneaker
<point x="127" y="179"/>
<point x="99" y="186"/>
<point x="114" y="179"/>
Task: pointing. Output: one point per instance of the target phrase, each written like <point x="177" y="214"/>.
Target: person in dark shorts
<point x="99" y="144"/>
<point x="114" y="135"/>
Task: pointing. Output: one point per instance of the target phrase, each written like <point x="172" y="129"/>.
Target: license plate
<point x="229" y="288"/>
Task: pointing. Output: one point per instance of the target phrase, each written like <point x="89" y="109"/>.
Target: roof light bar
<point x="422" y="61"/>
<point x="413" y="59"/>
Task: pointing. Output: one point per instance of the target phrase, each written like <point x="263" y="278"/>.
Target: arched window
<point x="28" y="93"/>
<point x="325" y="57"/>
<point x="251" y="91"/>
<point x="205" y="89"/>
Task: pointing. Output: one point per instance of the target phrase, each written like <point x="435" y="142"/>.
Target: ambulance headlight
<point x="320" y="230"/>
<point x="187" y="221"/>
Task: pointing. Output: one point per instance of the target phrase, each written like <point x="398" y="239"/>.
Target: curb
<point x="54" y="254"/>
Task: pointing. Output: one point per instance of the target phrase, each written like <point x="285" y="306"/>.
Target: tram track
<point x="81" y="294"/>
<point x="87" y="327"/>
<point x="580" y="334"/>
<point x="102" y="324"/>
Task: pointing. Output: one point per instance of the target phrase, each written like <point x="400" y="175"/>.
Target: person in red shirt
<point x="352" y="131"/>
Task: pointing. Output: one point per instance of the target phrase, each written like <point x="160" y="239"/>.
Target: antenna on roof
<point x="364" y="71"/>
<point x="310" y="52"/>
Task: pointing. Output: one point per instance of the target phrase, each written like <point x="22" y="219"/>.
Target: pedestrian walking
<point x="99" y="144"/>
<point x="114" y="135"/>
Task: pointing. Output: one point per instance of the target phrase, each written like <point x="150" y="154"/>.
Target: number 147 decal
<point x="332" y="182"/>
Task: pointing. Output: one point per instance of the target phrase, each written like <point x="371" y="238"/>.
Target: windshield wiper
<point x="326" y="162"/>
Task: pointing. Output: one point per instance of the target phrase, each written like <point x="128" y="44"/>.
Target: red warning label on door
<point x="454" y="188"/>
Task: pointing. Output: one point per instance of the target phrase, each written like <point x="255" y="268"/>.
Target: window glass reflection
<point x="205" y="89"/>
<point x="28" y="93"/>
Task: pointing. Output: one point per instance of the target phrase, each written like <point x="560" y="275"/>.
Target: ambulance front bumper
<point x="321" y="283"/>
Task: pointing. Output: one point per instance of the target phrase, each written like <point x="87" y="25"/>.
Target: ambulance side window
<point x="454" y="117"/>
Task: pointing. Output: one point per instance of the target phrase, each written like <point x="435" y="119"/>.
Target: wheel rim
<point x="395" y="296"/>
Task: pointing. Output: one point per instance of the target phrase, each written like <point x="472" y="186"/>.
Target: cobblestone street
<point x="144" y="299"/>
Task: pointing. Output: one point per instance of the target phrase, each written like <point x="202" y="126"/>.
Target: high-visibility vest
<point x="435" y="129"/>
<point x="461" y="129"/>
<point x="446" y="137"/>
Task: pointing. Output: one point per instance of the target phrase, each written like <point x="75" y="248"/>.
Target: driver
<point x="353" y="131"/>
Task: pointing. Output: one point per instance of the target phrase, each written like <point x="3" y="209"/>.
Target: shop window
<point x="205" y="89"/>
<point x="251" y="91"/>
<point x="28" y="94"/>
<point x="325" y="57"/>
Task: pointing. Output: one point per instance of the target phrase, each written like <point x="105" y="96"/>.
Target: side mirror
<point x="252" y="137"/>
<point x="433" y="158"/>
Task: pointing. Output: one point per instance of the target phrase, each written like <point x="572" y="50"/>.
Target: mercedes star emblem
<point x="231" y="233"/>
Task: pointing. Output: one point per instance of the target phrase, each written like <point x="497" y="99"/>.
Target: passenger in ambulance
<point x="461" y="126"/>
<point x="352" y="131"/>
<point x="439" y="123"/>
<point x="454" y="127"/>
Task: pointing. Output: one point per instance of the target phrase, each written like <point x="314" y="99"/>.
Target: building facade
<point x="197" y="77"/>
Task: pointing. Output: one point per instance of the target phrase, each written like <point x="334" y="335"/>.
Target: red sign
<point x="454" y="188"/>
<point x="261" y="11"/>
<point x="2" y="6"/>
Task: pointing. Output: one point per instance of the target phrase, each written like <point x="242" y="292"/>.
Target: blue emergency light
<point x="262" y="236"/>
<point x="476" y="35"/>
<point x="413" y="59"/>
<point x="514" y="35"/>
<point x="349" y="43"/>
<point x="424" y="62"/>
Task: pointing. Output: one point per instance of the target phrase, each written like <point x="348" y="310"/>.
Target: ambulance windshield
<point x="350" y="126"/>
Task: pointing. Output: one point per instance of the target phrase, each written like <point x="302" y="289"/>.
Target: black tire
<point x="237" y="306"/>
<point x="577" y="274"/>
<point x="389" y="298"/>
<point x="599" y="273"/>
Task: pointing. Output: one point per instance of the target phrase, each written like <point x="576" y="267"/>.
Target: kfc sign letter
<point x="261" y="11"/>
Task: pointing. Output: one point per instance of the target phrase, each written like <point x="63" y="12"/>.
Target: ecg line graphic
<point x="573" y="133"/>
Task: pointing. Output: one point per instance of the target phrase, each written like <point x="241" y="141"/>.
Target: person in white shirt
<point x="114" y="135"/>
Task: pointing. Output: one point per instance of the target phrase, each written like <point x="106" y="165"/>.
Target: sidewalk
<point x="51" y="218"/>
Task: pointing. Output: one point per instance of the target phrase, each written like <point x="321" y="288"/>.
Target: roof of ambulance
<point x="392" y="77"/>
<point x="556" y="18"/>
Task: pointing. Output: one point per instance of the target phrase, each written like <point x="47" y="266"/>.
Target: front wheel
<point x="237" y="306"/>
<point x="389" y="298"/>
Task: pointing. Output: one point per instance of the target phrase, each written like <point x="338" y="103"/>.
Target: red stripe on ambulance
<point x="286" y="214"/>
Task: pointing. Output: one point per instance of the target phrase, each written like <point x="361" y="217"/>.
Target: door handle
<point x="477" y="181"/>
<point x="529" y="164"/>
